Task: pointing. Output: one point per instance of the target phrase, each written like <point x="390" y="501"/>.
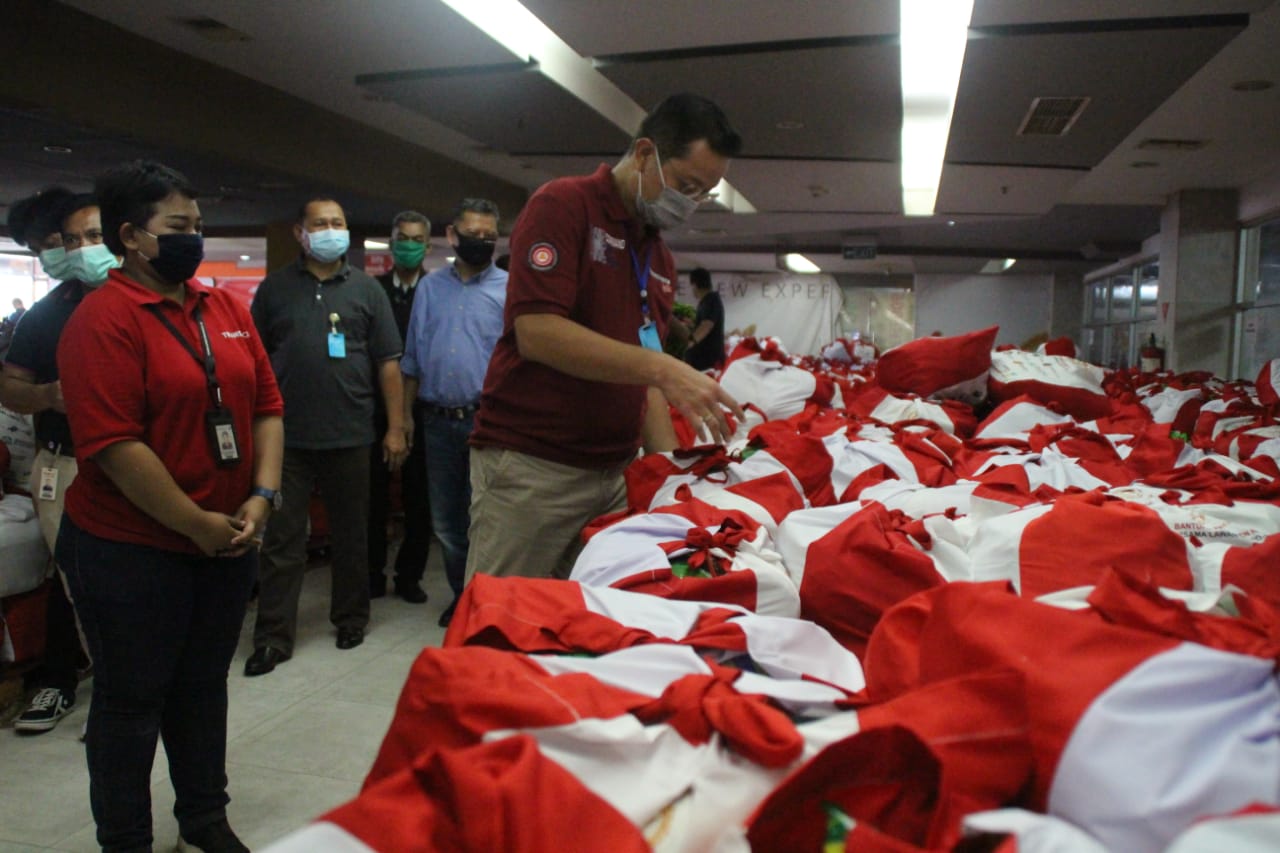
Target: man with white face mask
<point x="334" y="344"/>
<point x="30" y="385"/>
<point x="578" y="380"/>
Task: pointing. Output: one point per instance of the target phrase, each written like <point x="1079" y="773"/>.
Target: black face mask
<point x="179" y="256"/>
<point x="475" y="252"/>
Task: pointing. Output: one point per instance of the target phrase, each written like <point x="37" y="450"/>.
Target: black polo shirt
<point x="35" y="348"/>
<point x="328" y="402"/>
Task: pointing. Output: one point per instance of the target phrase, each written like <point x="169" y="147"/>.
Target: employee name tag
<point x="48" y="484"/>
<point x="337" y="345"/>
<point x="222" y="437"/>
<point x="649" y="337"/>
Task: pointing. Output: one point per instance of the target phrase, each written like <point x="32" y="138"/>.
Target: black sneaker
<point x="48" y="707"/>
<point x="215" y="837"/>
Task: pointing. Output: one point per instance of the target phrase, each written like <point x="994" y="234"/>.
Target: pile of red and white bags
<point x="951" y="600"/>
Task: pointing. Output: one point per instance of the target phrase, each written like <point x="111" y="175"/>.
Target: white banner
<point x="799" y="310"/>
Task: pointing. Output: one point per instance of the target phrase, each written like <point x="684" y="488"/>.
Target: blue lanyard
<point x="642" y="278"/>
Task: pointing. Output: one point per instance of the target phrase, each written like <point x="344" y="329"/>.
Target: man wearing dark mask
<point x="410" y="242"/>
<point x="456" y="321"/>
<point x="578" y="380"/>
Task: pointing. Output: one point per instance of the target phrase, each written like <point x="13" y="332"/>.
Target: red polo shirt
<point x="571" y="255"/>
<point x="125" y="376"/>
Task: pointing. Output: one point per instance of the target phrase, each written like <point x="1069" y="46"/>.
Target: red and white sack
<point x="778" y="390"/>
<point x="691" y="551"/>
<point x="953" y="368"/>
<point x="550" y="616"/>
<point x="1015" y="419"/>
<point x="1136" y="734"/>
<point x="1268" y="383"/>
<point x="882" y="406"/>
<point x="1072" y="386"/>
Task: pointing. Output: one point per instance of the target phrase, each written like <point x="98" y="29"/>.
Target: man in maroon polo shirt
<point x="578" y="380"/>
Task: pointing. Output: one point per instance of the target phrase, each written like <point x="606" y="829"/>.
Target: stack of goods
<point x="955" y="600"/>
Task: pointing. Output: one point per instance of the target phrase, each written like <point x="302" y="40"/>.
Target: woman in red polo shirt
<point x="177" y="425"/>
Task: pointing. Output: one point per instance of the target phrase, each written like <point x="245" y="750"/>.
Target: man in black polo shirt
<point x="30" y="385"/>
<point x="410" y="242"/>
<point x="334" y="346"/>
<point x="706" y="343"/>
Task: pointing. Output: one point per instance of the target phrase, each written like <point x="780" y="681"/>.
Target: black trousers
<point x="411" y="561"/>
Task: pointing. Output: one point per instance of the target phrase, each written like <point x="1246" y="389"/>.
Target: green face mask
<point x="408" y="254"/>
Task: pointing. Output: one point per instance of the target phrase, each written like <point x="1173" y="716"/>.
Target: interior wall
<point x="953" y="304"/>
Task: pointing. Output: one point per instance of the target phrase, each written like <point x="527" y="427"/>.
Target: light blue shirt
<point x="453" y="328"/>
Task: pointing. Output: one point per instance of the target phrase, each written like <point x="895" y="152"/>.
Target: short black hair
<point x="411" y="216"/>
<point x="700" y="278"/>
<point x="473" y="205"/>
<point x="70" y="205"/>
<point x="302" y="208"/>
<point x="35" y="217"/>
<point x="130" y="193"/>
<point x="683" y="119"/>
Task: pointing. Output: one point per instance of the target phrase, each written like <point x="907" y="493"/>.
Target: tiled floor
<point x="299" y="739"/>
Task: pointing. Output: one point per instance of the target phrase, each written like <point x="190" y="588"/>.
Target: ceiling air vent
<point x="1052" y="116"/>
<point x="213" y="30"/>
<point x="1173" y="144"/>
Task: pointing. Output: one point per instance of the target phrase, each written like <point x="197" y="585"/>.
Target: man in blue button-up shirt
<point x="453" y="328"/>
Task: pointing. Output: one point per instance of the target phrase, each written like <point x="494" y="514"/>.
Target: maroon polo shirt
<point x="571" y="255"/>
<point x="125" y="376"/>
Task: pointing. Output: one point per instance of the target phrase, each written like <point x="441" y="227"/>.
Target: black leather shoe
<point x="264" y="660"/>
<point x="411" y="592"/>
<point x="216" y="837"/>
<point x="377" y="585"/>
<point x="349" y="638"/>
<point x="447" y="616"/>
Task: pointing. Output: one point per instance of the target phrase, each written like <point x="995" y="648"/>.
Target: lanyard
<point x="642" y="278"/>
<point x="210" y="371"/>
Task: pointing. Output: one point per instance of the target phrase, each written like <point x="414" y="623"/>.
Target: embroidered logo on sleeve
<point x="542" y="256"/>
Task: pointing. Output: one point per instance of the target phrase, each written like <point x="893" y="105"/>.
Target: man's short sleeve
<point x="546" y="246"/>
<point x="28" y="340"/>
<point x="385" y="341"/>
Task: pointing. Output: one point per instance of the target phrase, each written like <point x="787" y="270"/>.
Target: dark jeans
<point x="62" y="640"/>
<point x="162" y="628"/>
<point x="449" y="485"/>
<point x="411" y="560"/>
<point x="343" y="477"/>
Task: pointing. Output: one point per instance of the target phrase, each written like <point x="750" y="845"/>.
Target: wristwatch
<point x="272" y="497"/>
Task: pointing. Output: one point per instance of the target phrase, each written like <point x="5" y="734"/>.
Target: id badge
<point x="48" y="484"/>
<point x="222" y="438"/>
<point x="337" y="345"/>
<point x="649" y="337"/>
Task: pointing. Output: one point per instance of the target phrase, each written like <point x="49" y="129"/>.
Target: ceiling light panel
<point x="934" y="33"/>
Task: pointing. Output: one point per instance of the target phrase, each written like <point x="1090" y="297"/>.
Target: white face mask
<point x="328" y="244"/>
<point x="56" y="264"/>
<point x="670" y="209"/>
<point x="91" y="264"/>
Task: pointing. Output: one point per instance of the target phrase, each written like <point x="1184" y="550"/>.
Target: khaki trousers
<point x="527" y="513"/>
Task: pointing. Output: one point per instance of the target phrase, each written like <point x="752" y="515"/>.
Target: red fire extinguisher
<point x="1152" y="356"/>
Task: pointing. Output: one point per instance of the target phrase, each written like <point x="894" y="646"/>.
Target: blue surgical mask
<point x="328" y="245"/>
<point x="670" y="209"/>
<point x="91" y="264"/>
<point x="56" y="264"/>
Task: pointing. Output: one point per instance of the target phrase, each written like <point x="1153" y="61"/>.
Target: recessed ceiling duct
<point x="213" y="30"/>
<point x="1173" y="144"/>
<point x="1052" y="116"/>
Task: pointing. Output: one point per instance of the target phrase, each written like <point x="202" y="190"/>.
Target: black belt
<point x="453" y="413"/>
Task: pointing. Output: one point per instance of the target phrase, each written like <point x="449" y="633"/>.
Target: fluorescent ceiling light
<point x="376" y="244"/>
<point x="932" y="43"/>
<point x="517" y="29"/>
<point x="798" y="263"/>
<point x="997" y="266"/>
